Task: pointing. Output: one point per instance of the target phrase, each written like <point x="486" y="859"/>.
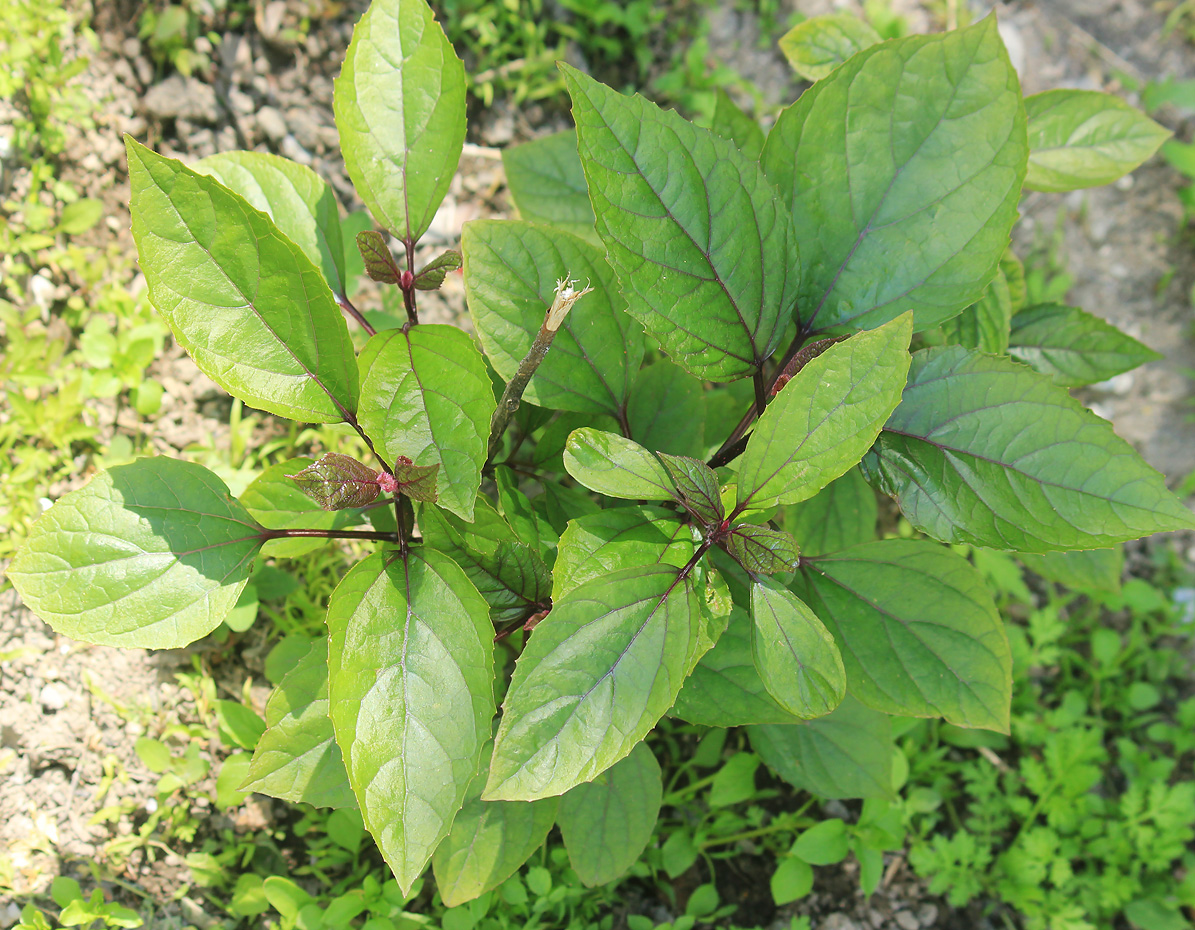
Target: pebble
<point x="145" y="70"/>
<point x="304" y="127"/>
<point x="130" y="47"/>
<point x="9" y="915"/>
<point x="907" y="921"/>
<point x="53" y="698"/>
<point x="270" y="122"/>
<point x="178" y="97"/>
<point x="838" y="921"/>
<point x="291" y="149"/>
<point x="241" y="102"/>
<point x="135" y="126"/>
<point x="927" y="915"/>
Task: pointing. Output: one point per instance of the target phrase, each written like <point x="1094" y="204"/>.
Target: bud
<point x="566" y="296"/>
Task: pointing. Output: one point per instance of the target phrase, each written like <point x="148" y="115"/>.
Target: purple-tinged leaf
<point x="762" y="550"/>
<point x="697" y="485"/>
<point x="379" y="263"/>
<point x="338" y="482"/>
<point x="418" y="482"/>
<point x="431" y="276"/>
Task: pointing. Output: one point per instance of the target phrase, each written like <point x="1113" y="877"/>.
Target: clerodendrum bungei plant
<point x="711" y="333"/>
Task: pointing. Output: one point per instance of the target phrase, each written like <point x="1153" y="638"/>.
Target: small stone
<point x="130" y="47"/>
<point x="145" y="70"/>
<point x="9" y="915"/>
<point x="135" y="126"/>
<point x="41" y="289"/>
<point x="53" y="698"/>
<point x="304" y="127"/>
<point x="907" y="921"/>
<point x="270" y="122"/>
<point x="241" y="102"/>
<point x="182" y="98"/>
<point x="838" y="921"/>
<point x="291" y="149"/>
<point x="1125" y="183"/>
<point x="927" y="915"/>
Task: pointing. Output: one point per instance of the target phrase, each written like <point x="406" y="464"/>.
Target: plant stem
<point x="513" y="395"/>
<point x="347" y="306"/>
<point x="373" y="535"/>
<point x="761" y="397"/>
<point x="408" y="293"/>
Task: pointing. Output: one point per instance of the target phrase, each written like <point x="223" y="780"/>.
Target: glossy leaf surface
<point x="761" y="549"/>
<point x="917" y="628"/>
<point x="845" y="755"/>
<point x="300" y="202"/>
<point x="987" y="451"/>
<point x="692" y="229"/>
<point x="400" y="109"/>
<point x="594" y="678"/>
<point x="410" y="664"/>
<point x="841" y="514"/>
<point x="547" y="183"/>
<point x="488" y="842"/>
<point x="795" y="655"/>
<point x="297" y="758"/>
<point x="426" y="395"/>
<point x="151" y="554"/>
<point x="338" y="482"/>
<point x="511" y="270"/>
<point x="824" y="420"/>
<point x="244" y="301"/>
<point x="607" y="823"/>
<point x="1073" y="346"/>
<point x="607" y="463"/>
<point x="697" y="485"/>
<point x="1084" y="138"/>
<point x="820" y="44"/>
<point x="902" y="170"/>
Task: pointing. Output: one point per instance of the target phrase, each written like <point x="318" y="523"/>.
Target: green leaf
<point x="792" y="879"/>
<point x="425" y="394"/>
<point x="824" y="420"/>
<point x="547" y="183"/>
<point x="732" y="123"/>
<point x="410" y="665"/>
<point x="820" y="44"/>
<point x="338" y="482"/>
<point x="762" y="549"/>
<point x="666" y="410"/>
<point x="985" y="324"/>
<point x="607" y="823"/>
<point x="607" y="463"/>
<point x="795" y="655"/>
<point x="80" y="216"/>
<point x="376" y="257"/>
<point x="847" y="754"/>
<point x="431" y="276"/>
<point x="905" y="199"/>
<point x="509" y="574"/>
<point x="1084" y="138"/>
<point x="1084" y="570"/>
<point x="277" y="503"/>
<point x="488" y="842"/>
<point x="824" y="843"/>
<point x="152" y="554"/>
<point x="841" y="514"/>
<point x="986" y="451"/>
<point x="698" y="488"/>
<point x="511" y="270"/>
<point x="917" y="628"/>
<point x="244" y="301"/>
<point x="239" y="723"/>
<point x="600" y="544"/>
<point x="300" y="202"/>
<point x="725" y="689"/>
<point x="1074" y="347"/>
<point x="400" y="109"/>
<point x="691" y="227"/>
<point x="594" y="678"/>
<point x="297" y="758"/>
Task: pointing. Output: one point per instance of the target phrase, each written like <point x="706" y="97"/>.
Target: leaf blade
<point x="796" y="656"/>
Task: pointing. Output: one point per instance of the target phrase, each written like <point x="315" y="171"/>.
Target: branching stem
<point x="347" y="306"/>
<point x="512" y="396"/>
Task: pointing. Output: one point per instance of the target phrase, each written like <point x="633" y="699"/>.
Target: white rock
<point x="52" y="698"/>
<point x="271" y="123"/>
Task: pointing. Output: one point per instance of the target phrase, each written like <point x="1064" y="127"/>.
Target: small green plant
<point x="679" y="521"/>
<point x="78" y="910"/>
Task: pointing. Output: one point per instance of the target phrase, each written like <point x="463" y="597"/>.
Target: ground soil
<point x="68" y="711"/>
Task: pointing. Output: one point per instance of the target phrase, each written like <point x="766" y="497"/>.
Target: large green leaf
<point x="300" y="202"/>
<point x="795" y="654"/>
<point x="509" y="574"/>
<point x="247" y="304"/>
<point x="599" y="544"/>
<point x="917" y="628"/>
<point x="841" y="514"/>
<point x="845" y="755"/>
<point x="903" y="169"/>
<point x="1073" y="346"/>
<point x="607" y="463"/>
<point x="594" y="678"/>
<point x="732" y="123"/>
<point x="666" y="410"/>
<point x="488" y="842"/>
<point x="547" y="183"/>
<point x="1084" y="138"/>
<point x="297" y="758"/>
<point x="607" y="823"/>
<point x="820" y="44"/>
<point x="725" y="689"/>
<point x="511" y="272"/>
<point x="425" y="394"/>
<point x="1082" y="570"/>
<point x="692" y="228"/>
<point x="400" y="110"/>
<point x="410" y="664"/>
<point x="278" y="503"/>
<point x="987" y="451"/>
<point x="824" y="420"/>
<point x="151" y="554"/>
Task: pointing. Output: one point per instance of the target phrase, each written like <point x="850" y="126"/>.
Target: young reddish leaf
<point x="697" y="485"/>
<point x="762" y="550"/>
<point x="337" y="482"/>
<point x="431" y="276"/>
<point x="418" y="482"/>
<point x="379" y="263"/>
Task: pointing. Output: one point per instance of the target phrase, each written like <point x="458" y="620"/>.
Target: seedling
<point x="671" y="509"/>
